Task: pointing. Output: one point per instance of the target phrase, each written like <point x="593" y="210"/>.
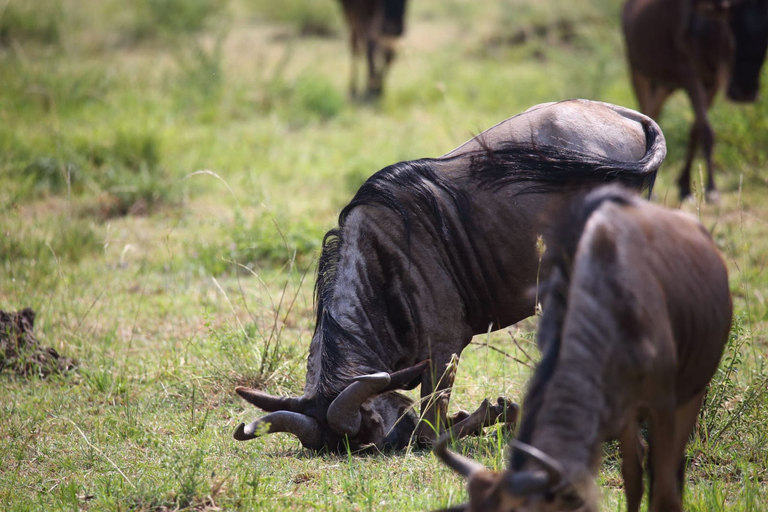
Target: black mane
<point x="420" y="183"/>
<point x="553" y="167"/>
<point x="561" y="248"/>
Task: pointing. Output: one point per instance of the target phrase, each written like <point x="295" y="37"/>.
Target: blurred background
<point x="167" y="171"/>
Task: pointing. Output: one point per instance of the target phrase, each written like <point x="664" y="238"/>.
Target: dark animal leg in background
<point x="702" y="132"/>
<point x="632" y="451"/>
<point x="355" y="50"/>
<point x="684" y="181"/>
<point x="374" y="74"/>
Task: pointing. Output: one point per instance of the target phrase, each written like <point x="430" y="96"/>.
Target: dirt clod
<point x="20" y="351"/>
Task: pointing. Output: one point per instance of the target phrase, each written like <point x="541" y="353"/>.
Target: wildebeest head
<point x="749" y="25"/>
<point x="368" y="411"/>
<point x="540" y="486"/>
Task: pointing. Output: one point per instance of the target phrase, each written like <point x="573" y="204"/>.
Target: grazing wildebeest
<point x="431" y="252"/>
<point x="374" y="27"/>
<point x="698" y="46"/>
<point x="637" y="312"/>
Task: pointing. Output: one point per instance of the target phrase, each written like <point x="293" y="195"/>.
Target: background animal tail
<point x="394" y="18"/>
<point x="552" y="168"/>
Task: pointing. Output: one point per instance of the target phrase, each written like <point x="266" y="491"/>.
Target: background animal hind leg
<point x="650" y="96"/>
<point x="701" y="132"/>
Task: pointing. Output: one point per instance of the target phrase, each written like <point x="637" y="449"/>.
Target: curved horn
<point x="270" y="403"/>
<point x="553" y="469"/>
<point x="462" y="465"/>
<point x="344" y="412"/>
<point x="304" y="427"/>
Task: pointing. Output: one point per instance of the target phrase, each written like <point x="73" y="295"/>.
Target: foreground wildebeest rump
<point x="374" y="27"/>
<point x="698" y="46"/>
<point x="431" y="252"/>
<point x="637" y="312"/>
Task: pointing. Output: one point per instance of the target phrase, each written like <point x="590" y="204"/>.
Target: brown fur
<point x="639" y="310"/>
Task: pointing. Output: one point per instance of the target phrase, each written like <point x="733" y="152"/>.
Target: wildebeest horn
<point x="462" y="465"/>
<point x="304" y="427"/>
<point x="270" y="403"/>
<point x="344" y="412"/>
<point x="537" y="481"/>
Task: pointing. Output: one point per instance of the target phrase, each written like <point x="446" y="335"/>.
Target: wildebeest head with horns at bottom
<point x="431" y="252"/>
<point x="637" y="312"/>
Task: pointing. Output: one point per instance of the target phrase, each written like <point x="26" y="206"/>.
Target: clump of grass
<point x="60" y="238"/>
<point x="48" y="175"/>
<point x="730" y="405"/>
<point x="129" y="174"/>
<point x="310" y="18"/>
<point x="263" y="242"/>
<point x="30" y="21"/>
<point x="174" y="17"/>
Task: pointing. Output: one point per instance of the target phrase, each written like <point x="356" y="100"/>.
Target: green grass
<point x="164" y="190"/>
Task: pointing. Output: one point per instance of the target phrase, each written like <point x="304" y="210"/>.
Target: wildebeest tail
<point x="394" y="17"/>
<point x="551" y="168"/>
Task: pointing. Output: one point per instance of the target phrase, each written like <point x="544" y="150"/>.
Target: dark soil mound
<point x="21" y="352"/>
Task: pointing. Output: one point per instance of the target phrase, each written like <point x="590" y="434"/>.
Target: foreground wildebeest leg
<point x="637" y="312"/>
<point x="697" y="46"/>
<point x="433" y="251"/>
<point x="374" y="27"/>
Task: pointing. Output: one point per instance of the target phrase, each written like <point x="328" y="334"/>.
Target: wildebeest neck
<point x="383" y="273"/>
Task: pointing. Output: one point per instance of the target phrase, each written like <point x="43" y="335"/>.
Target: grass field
<point x="167" y="171"/>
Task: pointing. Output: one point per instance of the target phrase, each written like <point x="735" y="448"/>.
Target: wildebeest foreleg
<point x="485" y="416"/>
<point x="632" y="451"/>
<point x="436" y="387"/>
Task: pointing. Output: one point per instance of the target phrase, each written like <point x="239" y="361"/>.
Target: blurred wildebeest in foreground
<point x="698" y="46"/>
<point x="374" y="27"/>
<point x="431" y="252"/>
<point x="637" y="312"/>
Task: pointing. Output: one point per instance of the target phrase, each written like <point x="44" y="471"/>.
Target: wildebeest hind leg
<point x="663" y="461"/>
<point x="685" y="421"/>
<point x="632" y="451"/>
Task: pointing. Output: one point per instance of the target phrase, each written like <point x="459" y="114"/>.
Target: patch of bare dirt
<point x="20" y="351"/>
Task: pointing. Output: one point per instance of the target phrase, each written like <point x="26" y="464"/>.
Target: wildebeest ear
<point x="407" y="378"/>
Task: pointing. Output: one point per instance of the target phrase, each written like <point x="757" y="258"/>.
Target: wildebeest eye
<point x="570" y="499"/>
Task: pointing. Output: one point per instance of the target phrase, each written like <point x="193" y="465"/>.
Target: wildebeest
<point x="637" y="312"/>
<point x="431" y="252"/>
<point x="698" y="46"/>
<point x="374" y="27"/>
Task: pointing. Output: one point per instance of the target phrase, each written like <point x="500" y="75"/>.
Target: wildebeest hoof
<point x="508" y="412"/>
<point x="712" y="196"/>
